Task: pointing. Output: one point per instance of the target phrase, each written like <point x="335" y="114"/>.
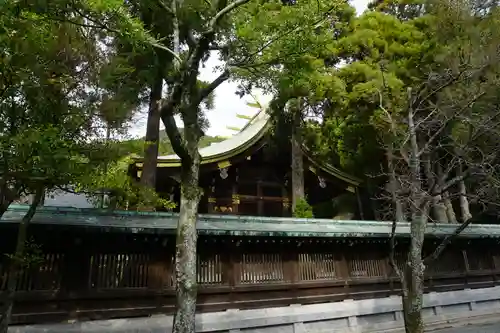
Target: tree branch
<point x="211" y="87"/>
<point x="392" y="260"/>
<point x="176" y="140"/>
<point x="438" y="132"/>
<point x="447" y="240"/>
<point x="451" y="182"/>
<point x="164" y="6"/>
<point x="433" y="92"/>
<point x="223" y="12"/>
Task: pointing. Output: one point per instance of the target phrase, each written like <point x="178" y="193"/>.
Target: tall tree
<point x="49" y="114"/>
<point x="426" y="88"/>
<point x="293" y="67"/>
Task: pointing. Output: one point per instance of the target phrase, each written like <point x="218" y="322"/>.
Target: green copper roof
<point x="152" y="222"/>
<point x="220" y="151"/>
<point x="251" y="134"/>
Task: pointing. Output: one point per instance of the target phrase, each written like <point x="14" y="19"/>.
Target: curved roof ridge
<point x="251" y="132"/>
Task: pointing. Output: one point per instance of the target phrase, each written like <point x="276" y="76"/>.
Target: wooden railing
<point x="103" y="275"/>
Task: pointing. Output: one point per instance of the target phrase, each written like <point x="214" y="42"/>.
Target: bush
<point x="303" y="209"/>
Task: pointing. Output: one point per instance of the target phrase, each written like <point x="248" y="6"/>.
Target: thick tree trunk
<point x="297" y="162"/>
<point x="438" y="206"/>
<point x="185" y="254"/>
<point x="439" y="209"/>
<point x="14" y="266"/>
<point x="450" y="212"/>
<point x="464" y="202"/>
<point x="148" y="177"/>
<point x="297" y="173"/>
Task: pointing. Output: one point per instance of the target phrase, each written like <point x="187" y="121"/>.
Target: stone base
<point x="382" y="314"/>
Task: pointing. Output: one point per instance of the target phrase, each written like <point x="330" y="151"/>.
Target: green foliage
<point x="46" y="106"/>
<point x="32" y="255"/>
<point x="303" y="209"/>
<point x="289" y="44"/>
<point x="122" y="190"/>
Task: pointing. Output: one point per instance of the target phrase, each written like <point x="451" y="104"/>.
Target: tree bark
<point x="297" y="172"/>
<point x="14" y="266"/>
<point x="450" y="212"/>
<point x="414" y="275"/>
<point x="438" y="207"/>
<point x="185" y="254"/>
<point x="297" y="162"/>
<point x="464" y="202"/>
<point x="393" y="186"/>
<point x="148" y="177"/>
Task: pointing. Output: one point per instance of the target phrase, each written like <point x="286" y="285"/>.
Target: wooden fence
<point x="95" y="275"/>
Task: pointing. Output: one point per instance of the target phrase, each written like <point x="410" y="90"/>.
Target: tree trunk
<point x="148" y="177"/>
<point x="6" y="197"/>
<point x="450" y="212"/>
<point x="14" y="266"/>
<point x="414" y="276"/>
<point x="438" y="207"/>
<point x="297" y="173"/>
<point x="464" y="202"/>
<point x="298" y="191"/>
<point x="185" y="254"/>
<point x="393" y="187"/>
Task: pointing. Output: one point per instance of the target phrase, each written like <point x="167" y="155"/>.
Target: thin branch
<point x="164" y="48"/>
<point x="392" y="260"/>
<point x="454" y="181"/>
<point x="447" y="240"/>
<point x="433" y="92"/>
<point x="223" y="12"/>
<point x="164" y="6"/>
<point x="275" y="39"/>
<point x="438" y="132"/>
<point x="101" y="26"/>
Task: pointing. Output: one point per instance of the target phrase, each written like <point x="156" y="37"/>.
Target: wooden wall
<point x="90" y="275"/>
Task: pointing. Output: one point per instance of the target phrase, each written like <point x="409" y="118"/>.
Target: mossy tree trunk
<point x="185" y="247"/>
<point x="16" y="262"/>
<point x="148" y="176"/>
<point x="184" y="98"/>
<point x="413" y="275"/>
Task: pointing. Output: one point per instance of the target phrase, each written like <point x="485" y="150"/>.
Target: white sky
<point x="227" y="103"/>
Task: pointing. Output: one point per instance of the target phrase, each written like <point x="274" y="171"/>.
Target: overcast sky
<point x="227" y="103"/>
